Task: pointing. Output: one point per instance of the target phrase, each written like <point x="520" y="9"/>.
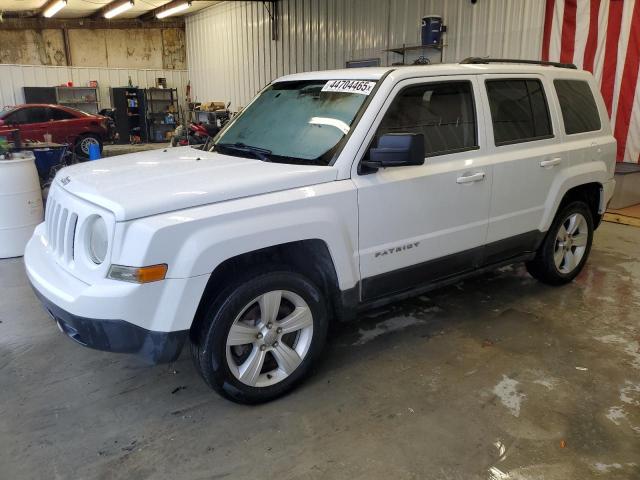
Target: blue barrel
<point x="431" y="29"/>
<point x="94" y="151"/>
<point x="47" y="158"/>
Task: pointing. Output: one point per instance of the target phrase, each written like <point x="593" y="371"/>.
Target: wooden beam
<point x="39" y="23"/>
<point x="67" y="46"/>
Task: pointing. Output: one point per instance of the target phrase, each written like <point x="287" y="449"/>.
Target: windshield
<point x="296" y="122"/>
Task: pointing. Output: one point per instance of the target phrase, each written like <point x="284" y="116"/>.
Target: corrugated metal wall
<point x="14" y="77"/>
<point x="230" y="54"/>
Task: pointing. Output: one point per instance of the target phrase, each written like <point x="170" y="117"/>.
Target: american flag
<point x="603" y="37"/>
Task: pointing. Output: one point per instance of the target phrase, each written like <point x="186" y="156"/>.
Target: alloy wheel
<point x="571" y="243"/>
<point x="269" y="338"/>
<point x="86" y="142"/>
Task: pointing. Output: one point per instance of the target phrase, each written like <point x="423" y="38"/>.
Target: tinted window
<point x="36" y="114"/>
<point x="579" y="111"/>
<point x="443" y="112"/>
<point x="16" y="117"/>
<point x="519" y="110"/>
<point x="57" y="114"/>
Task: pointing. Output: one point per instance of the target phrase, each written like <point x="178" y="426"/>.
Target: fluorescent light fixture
<point x="54" y="7"/>
<point x="118" y="8"/>
<point x="173" y="8"/>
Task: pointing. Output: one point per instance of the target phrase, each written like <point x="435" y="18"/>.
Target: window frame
<point x="524" y="79"/>
<point x="436" y="82"/>
<point x="561" y="114"/>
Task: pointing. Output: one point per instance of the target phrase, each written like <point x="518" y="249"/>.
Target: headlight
<point x="98" y="240"/>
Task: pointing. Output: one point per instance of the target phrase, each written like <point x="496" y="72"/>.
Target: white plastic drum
<point x="20" y="203"/>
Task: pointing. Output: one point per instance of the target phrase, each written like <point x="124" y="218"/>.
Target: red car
<point x="66" y="125"/>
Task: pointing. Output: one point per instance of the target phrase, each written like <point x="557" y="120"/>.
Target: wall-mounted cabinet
<point x="81" y="98"/>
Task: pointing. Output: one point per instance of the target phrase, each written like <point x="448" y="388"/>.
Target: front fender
<point x="195" y="241"/>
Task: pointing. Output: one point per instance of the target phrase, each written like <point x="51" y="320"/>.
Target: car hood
<point x="157" y="181"/>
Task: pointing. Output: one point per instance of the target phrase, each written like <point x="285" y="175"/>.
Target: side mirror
<point x="397" y="150"/>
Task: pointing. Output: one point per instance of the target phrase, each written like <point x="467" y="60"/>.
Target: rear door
<point x="522" y="126"/>
<point x="35" y="123"/>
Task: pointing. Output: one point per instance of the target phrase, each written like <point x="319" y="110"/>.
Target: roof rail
<point x="479" y="60"/>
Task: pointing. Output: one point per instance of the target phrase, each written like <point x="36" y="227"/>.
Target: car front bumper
<point x="151" y="320"/>
<point x="117" y="336"/>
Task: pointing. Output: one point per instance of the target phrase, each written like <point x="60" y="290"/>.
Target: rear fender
<point x="568" y="178"/>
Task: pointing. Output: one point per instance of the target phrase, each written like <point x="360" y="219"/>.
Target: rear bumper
<point x="607" y="193"/>
<point x="117" y="336"/>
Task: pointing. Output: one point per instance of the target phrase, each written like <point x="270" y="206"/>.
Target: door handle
<point x="474" y="177"/>
<point x="550" y="163"/>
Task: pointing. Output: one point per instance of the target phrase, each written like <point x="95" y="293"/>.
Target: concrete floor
<point x="497" y="378"/>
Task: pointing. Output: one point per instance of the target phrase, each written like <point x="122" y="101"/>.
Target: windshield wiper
<point x="260" y="153"/>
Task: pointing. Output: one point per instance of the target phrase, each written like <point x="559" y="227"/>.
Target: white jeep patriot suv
<point x="331" y="192"/>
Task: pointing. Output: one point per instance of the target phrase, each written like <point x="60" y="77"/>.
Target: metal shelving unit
<point x="130" y="107"/>
<point x="162" y="112"/>
<point x="405" y="49"/>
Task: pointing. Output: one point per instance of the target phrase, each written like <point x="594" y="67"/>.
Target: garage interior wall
<point x="230" y="53"/>
<point x="14" y="77"/>
<point x="152" y="48"/>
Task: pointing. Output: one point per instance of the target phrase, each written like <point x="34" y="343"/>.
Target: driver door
<point x="33" y="123"/>
<point x="420" y="224"/>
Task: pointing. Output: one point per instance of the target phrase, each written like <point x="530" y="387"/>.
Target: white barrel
<point x="20" y="203"/>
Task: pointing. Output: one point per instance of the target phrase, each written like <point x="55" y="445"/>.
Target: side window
<point x="36" y="114"/>
<point x="443" y="112"/>
<point x="519" y="110"/>
<point x="18" y="117"/>
<point x="579" y="110"/>
<point x="57" y="114"/>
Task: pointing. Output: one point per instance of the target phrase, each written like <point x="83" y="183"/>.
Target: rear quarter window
<point x="579" y="110"/>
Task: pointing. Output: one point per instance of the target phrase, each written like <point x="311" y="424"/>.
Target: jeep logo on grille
<point x="65" y="180"/>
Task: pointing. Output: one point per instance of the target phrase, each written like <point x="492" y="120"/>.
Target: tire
<point x="246" y="372"/>
<point x="83" y="142"/>
<point x="566" y="246"/>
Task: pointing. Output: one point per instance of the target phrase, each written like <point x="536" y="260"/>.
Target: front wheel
<point x="566" y="247"/>
<point x="262" y="338"/>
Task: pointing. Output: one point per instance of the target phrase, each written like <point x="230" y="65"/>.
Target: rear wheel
<point x="84" y="142"/>
<point x="262" y="338"/>
<point x="566" y="247"/>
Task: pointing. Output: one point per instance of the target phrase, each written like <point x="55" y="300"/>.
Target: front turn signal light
<point x="152" y="273"/>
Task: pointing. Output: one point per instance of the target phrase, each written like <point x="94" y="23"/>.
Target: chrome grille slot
<point x="61" y="222"/>
<point x="53" y="237"/>
<point x="62" y="225"/>
<point x="51" y="207"/>
<point x="69" y="237"/>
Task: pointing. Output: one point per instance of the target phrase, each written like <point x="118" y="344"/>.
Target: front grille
<point x="61" y="229"/>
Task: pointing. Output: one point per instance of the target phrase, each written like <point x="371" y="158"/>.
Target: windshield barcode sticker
<point x="362" y="87"/>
